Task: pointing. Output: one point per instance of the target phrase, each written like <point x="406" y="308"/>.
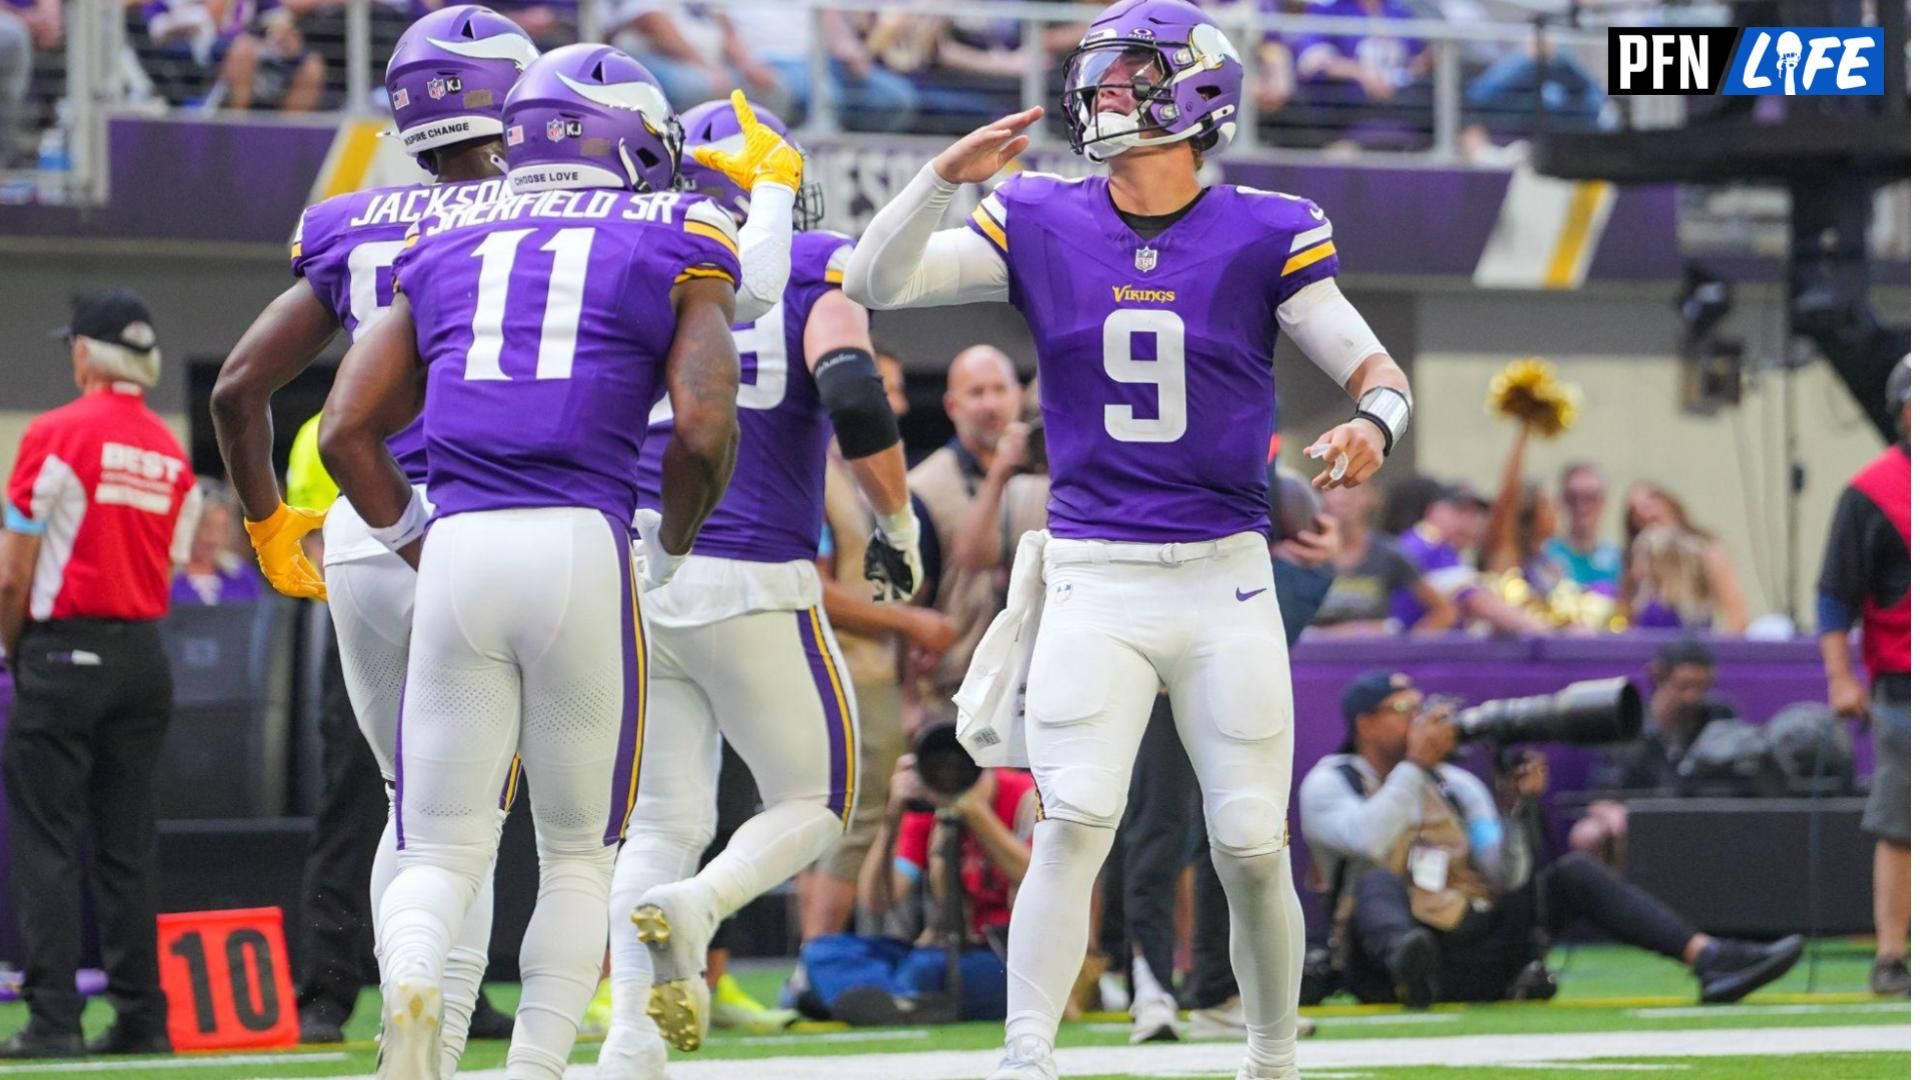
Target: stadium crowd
<point x="893" y="70"/>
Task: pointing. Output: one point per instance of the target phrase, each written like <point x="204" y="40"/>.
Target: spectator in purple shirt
<point x="1449" y="529"/>
<point x="26" y="26"/>
<point x="1357" y="74"/>
<point x="215" y="572"/>
<point x="243" y="54"/>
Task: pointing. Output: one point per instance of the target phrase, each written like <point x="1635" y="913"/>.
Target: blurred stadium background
<point x="1725" y="282"/>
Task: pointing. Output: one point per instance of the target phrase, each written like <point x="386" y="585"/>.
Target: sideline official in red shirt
<point x="99" y="509"/>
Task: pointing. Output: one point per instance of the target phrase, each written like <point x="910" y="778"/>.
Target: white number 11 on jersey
<point x="559" y="327"/>
<point x="1167" y="372"/>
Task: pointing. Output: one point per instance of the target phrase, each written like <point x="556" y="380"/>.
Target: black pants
<point x="91" y="704"/>
<point x="1154" y="844"/>
<point x="1480" y="958"/>
<point x="336" y="918"/>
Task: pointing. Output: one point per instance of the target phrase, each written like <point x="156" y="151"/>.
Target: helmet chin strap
<point x="497" y="162"/>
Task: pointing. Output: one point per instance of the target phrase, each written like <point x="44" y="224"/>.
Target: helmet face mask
<point x="1165" y="73"/>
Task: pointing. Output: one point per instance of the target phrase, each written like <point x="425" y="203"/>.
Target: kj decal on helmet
<point x="1150" y="72"/>
<point x="713" y="124"/>
<point x="449" y="76"/>
<point x="590" y="116"/>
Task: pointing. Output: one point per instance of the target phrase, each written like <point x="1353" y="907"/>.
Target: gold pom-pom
<point x="1528" y="391"/>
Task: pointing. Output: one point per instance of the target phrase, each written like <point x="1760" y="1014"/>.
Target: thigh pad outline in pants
<point x="1233" y="703"/>
<point x="784" y="701"/>
<point x="1089" y="695"/>
<point x="371" y="603"/>
<point x="526" y="636"/>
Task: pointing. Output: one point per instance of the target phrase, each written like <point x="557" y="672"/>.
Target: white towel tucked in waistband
<point x="993" y="698"/>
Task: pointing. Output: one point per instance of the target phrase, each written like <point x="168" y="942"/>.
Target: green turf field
<point x="1620" y="1013"/>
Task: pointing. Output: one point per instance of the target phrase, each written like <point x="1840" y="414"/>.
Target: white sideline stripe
<point x="1693" y="1011"/>
<point x="883" y="1034"/>
<point x="187" y="1061"/>
<point x="1211" y="1059"/>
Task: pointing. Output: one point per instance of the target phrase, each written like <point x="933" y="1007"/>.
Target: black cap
<point x="1364" y="694"/>
<point x="113" y="316"/>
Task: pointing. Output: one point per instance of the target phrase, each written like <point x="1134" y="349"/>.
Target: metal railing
<point x="115" y="59"/>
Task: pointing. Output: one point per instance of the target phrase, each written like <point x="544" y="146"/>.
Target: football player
<point x="1155" y="304"/>
<point x="536" y="330"/>
<point x="740" y="645"/>
<point x="446" y="82"/>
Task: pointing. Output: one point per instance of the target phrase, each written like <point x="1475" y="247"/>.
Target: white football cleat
<point x="1027" y="1058"/>
<point x="1227" y="1020"/>
<point x="1155" y="1018"/>
<point x="676" y="922"/>
<point x="1250" y="1071"/>
<point x="410" y="1030"/>
<point x="630" y="1053"/>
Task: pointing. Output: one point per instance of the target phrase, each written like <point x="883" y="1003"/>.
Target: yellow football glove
<point x="276" y="542"/>
<point x="765" y="158"/>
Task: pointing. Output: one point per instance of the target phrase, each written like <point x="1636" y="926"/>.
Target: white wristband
<point x="410" y="527"/>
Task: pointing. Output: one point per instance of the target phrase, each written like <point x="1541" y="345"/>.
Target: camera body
<point x="943" y="763"/>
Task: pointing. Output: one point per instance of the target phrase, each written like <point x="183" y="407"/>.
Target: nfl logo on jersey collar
<point x="1145" y="259"/>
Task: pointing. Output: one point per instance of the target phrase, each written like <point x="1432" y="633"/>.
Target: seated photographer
<point x="1435" y="894"/>
<point x="936" y="790"/>
<point x="1679" y="709"/>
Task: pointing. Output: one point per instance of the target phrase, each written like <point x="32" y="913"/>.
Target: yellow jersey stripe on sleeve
<point x="991" y="227"/>
<point x="701" y="228"/>
<point x="836" y="277"/>
<point x="296" y="251"/>
<point x="692" y="272"/>
<point x="1307" y="258"/>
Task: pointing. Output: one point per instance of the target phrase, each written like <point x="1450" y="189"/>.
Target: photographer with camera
<point x="958" y="836"/>
<point x="1435" y="894"/>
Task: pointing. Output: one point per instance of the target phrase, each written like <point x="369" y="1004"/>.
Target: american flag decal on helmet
<point x="400" y="99"/>
<point x="516" y="135"/>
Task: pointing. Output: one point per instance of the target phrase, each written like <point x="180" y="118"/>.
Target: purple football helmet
<point x="1149" y="72"/>
<point x="450" y="74"/>
<point x="590" y="116"/>
<point x="712" y="123"/>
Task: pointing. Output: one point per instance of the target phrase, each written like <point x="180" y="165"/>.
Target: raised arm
<point x="281" y="343"/>
<point x="378" y="390"/>
<point x="901" y="261"/>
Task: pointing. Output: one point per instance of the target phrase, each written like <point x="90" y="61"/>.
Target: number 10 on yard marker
<point x="226" y="979"/>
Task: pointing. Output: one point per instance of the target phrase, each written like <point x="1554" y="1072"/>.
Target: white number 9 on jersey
<point x="1166" y="371"/>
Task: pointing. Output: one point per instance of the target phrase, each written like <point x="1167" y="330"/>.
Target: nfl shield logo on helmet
<point x="436" y="88"/>
<point x="556" y="129"/>
<point x="1145" y="259"/>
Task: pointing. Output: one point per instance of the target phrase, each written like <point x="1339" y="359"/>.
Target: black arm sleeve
<point x="856" y="402"/>
<point x="1844" y="573"/>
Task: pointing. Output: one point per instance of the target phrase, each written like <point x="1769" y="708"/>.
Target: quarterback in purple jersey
<point x="537" y="331"/>
<point x="1155" y="306"/>
<point x="343" y="255"/>
<point x="740" y="644"/>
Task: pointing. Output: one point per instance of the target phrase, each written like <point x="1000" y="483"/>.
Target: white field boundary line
<point x="1212" y="1059"/>
<point x="183" y="1061"/>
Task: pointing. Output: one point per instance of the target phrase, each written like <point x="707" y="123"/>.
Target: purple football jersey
<point x="773" y="507"/>
<point x="1156" y="357"/>
<point x="1439" y="565"/>
<point x="345" y="248"/>
<point x="544" y="320"/>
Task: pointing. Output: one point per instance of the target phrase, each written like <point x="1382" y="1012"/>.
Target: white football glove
<point x="657" y="564"/>
<point x="893" y="556"/>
